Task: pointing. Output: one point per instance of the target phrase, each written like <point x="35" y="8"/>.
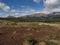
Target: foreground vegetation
<point x="29" y="33"/>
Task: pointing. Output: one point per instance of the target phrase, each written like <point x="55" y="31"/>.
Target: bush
<point x="30" y="39"/>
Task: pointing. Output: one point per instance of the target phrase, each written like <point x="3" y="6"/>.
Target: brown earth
<point x="14" y="36"/>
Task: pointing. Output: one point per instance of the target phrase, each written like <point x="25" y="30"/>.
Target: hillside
<point x="39" y="17"/>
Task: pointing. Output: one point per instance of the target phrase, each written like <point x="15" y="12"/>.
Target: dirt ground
<point x="15" y="35"/>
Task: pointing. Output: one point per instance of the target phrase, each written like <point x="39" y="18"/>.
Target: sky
<point x="26" y="7"/>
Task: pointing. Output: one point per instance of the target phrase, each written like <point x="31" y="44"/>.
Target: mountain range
<point x="51" y="17"/>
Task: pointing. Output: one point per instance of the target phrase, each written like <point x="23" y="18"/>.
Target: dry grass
<point x="12" y="33"/>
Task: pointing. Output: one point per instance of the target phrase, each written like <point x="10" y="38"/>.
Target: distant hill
<point x="38" y="17"/>
<point x="10" y="16"/>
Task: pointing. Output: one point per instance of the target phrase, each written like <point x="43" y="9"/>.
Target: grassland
<point x="29" y="33"/>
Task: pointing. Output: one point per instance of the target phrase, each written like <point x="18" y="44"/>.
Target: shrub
<point x="30" y="40"/>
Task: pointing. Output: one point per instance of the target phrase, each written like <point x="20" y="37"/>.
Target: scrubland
<point x="29" y="33"/>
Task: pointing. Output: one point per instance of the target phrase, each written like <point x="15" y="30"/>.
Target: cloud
<point x="4" y="7"/>
<point x="45" y="11"/>
<point x="27" y="9"/>
<point x="52" y="5"/>
<point x="37" y="1"/>
<point x="15" y="11"/>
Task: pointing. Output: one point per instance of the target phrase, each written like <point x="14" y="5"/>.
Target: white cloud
<point x="56" y="9"/>
<point x="45" y="11"/>
<point x="17" y="15"/>
<point x="4" y="7"/>
<point x="14" y="11"/>
<point x="36" y="1"/>
<point x="27" y="9"/>
<point x="52" y="5"/>
<point x="7" y="9"/>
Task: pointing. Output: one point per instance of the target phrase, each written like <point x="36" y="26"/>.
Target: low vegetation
<point x="47" y="19"/>
<point x="29" y="33"/>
